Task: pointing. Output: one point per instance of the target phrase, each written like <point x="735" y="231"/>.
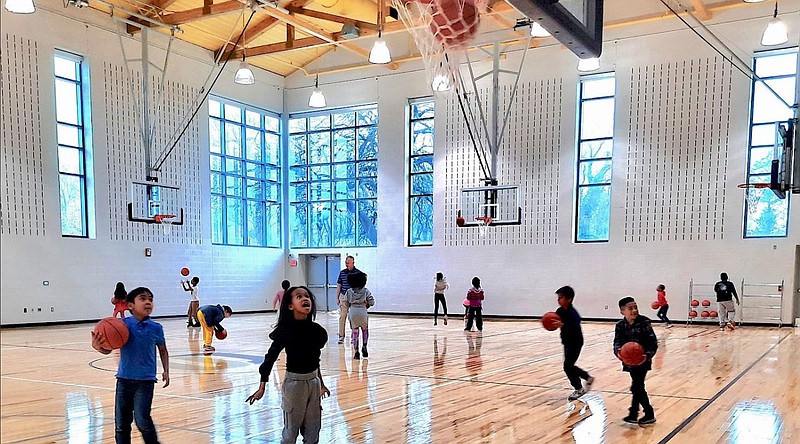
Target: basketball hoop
<point x="442" y="29"/>
<point x="166" y="221"/>
<point x="752" y="198"/>
<point x="483" y="224"/>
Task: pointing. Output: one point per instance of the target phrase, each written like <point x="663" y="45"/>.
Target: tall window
<point x="778" y="69"/>
<point x="73" y="120"/>
<point x="245" y="175"/>
<point x="595" y="144"/>
<point x="333" y="190"/>
<point x="420" y="167"/>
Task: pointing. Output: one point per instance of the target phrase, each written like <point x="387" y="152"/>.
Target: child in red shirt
<point x="663" y="305"/>
<point x="475" y="296"/>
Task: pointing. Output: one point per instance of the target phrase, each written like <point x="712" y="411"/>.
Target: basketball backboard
<point x="785" y="169"/>
<point x="578" y="24"/>
<point x="500" y="203"/>
<point x="148" y="200"/>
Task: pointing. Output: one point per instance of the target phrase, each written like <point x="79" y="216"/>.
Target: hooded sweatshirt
<point x="475" y="297"/>
<point x="359" y="297"/>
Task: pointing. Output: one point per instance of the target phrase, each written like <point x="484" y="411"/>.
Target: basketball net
<point x="442" y="30"/>
<point x="752" y="195"/>
<point x="483" y="225"/>
<point x="166" y="221"/>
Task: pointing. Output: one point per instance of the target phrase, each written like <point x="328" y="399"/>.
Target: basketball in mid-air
<point x="185" y="271"/>
<point x="114" y="331"/>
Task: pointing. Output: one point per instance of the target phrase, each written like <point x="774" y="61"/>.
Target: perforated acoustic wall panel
<point x="528" y="157"/>
<point x="22" y="206"/>
<point x="678" y="151"/>
<point x="126" y="155"/>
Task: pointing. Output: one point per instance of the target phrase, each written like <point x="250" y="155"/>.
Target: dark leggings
<point x="662" y="313"/>
<point x="436" y="299"/>
<point x="573" y="372"/>
<point x="640" y="397"/>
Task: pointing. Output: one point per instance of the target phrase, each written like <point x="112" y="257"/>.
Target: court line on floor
<point x="721" y="391"/>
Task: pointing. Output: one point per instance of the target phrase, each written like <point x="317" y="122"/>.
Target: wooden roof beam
<point x="700" y="10"/>
<point x="253" y="32"/>
<point x="204" y="12"/>
<point x="332" y="18"/>
<point x="157" y="7"/>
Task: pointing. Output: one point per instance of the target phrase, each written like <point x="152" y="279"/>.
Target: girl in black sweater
<point x="303" y="387"/>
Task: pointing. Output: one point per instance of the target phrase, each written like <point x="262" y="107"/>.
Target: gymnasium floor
<point x="421" y="384"/>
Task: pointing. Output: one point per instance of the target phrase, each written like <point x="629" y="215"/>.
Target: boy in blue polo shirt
<point x="136" y="375"/>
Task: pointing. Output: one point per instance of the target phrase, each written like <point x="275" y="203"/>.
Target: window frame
<point x="264" y="178"/>
<point x="410" y="121"/>
<point x="579" y="162"/>
<point x="749" y="175"/>
<point x="83" y="148"/>
<point x="330" y="204"/>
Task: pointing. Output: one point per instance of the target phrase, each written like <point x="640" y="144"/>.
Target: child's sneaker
<point x="721" y="328"/>
<point x="341" y="340"/>
<point x="208" y="349"/>
<point x="445" y="320"/>
<point x="589" y="382"/>
<point x="364" y="352"/>
<point x="356" y="355"/>
<point x="632" y="418"/>
<point x="648" y="418"/>
<point x="731" y="325"/>
<point x="669" y="325"/>
<point x="577" y="394"/>
<point x="434" y="322"/>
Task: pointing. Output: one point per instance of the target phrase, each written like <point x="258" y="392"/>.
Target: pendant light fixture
<point x="775" y="34"/>
<point x="588" y="65"/>
<point x="380" y="54"/>
<point x="20" y="6"/>
<point x="538" y="31"/>
<point x="317" y="99"/>
<point x="244" y="75"/>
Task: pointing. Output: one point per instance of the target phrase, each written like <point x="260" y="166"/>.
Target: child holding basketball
<point x="439" y="288"/>
<point x="136" y="374"/>
<point x="358" y="299"/>
<point x="119" y="301"/>
<point x="194" y="302"/>
<point x="475" y="296"/>
<point x="210" y="317"/>
<point x="663" y="305"/>
<point x="636" y="328"/>
<point x="276" y="302"/>
<point x="303" y="387"/>
<point x="572" y="339"/>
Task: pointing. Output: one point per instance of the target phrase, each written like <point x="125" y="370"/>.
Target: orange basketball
<point x="221" y="334"/>
<point x="632" y="354"/>
<point x="692" y="314"/>
<point x="185" y="271"/>
<point x="706" y="303"/>
<point x="114" y="330"/>
<point x="713" y="314"/>
<point x="704" y="314"/>
<point x="455" y="22"/>
<point x="695" y="303"/>
<point x="550" y="320"/>
<point x="655" y="305"/>
<point x="460" y="221"/>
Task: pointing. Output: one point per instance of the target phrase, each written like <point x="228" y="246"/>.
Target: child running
<point x="572" y="339"/>
<point x="438" y="296"/>
<point x="475" y="296"/>
<point x="303" y="387"/>
<point x="119" y="300"/>
<point x="357" y="300"/>
<point x="136" y="374"/>
<point x="211" y="317"/>
<point x="276" y="301"/>
<point x="636" y="328"/>
<point x="194" y="302"/>
<point x="663" y="305"/>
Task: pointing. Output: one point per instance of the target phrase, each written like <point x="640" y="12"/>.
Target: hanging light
<point x="317" y="99"/>
<point x="20" y="6"/>
<point x="538" y="31"/>
<point x="775" y="34"/>
<point x="244" y="75"/>
<point x="380" y="52"/>
<point x="753" y="1"/>
<point x="590" y="64"/>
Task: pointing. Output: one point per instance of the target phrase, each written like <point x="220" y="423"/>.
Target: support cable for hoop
<point x="514" y="92"/>
<point x="479" y="153"/>
<point x="166" y="154"/>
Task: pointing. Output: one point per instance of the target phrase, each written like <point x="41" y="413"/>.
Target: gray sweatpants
<point x="302" y="411"/>
<point x="726" y="308"/>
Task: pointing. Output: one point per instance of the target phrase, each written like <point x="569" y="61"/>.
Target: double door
<point x="323" y="271"/>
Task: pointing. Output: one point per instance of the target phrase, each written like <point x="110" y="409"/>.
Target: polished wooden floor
<point x="421" y="384"/>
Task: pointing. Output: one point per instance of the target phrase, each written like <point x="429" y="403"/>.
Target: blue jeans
<point x="134" y="400"/>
